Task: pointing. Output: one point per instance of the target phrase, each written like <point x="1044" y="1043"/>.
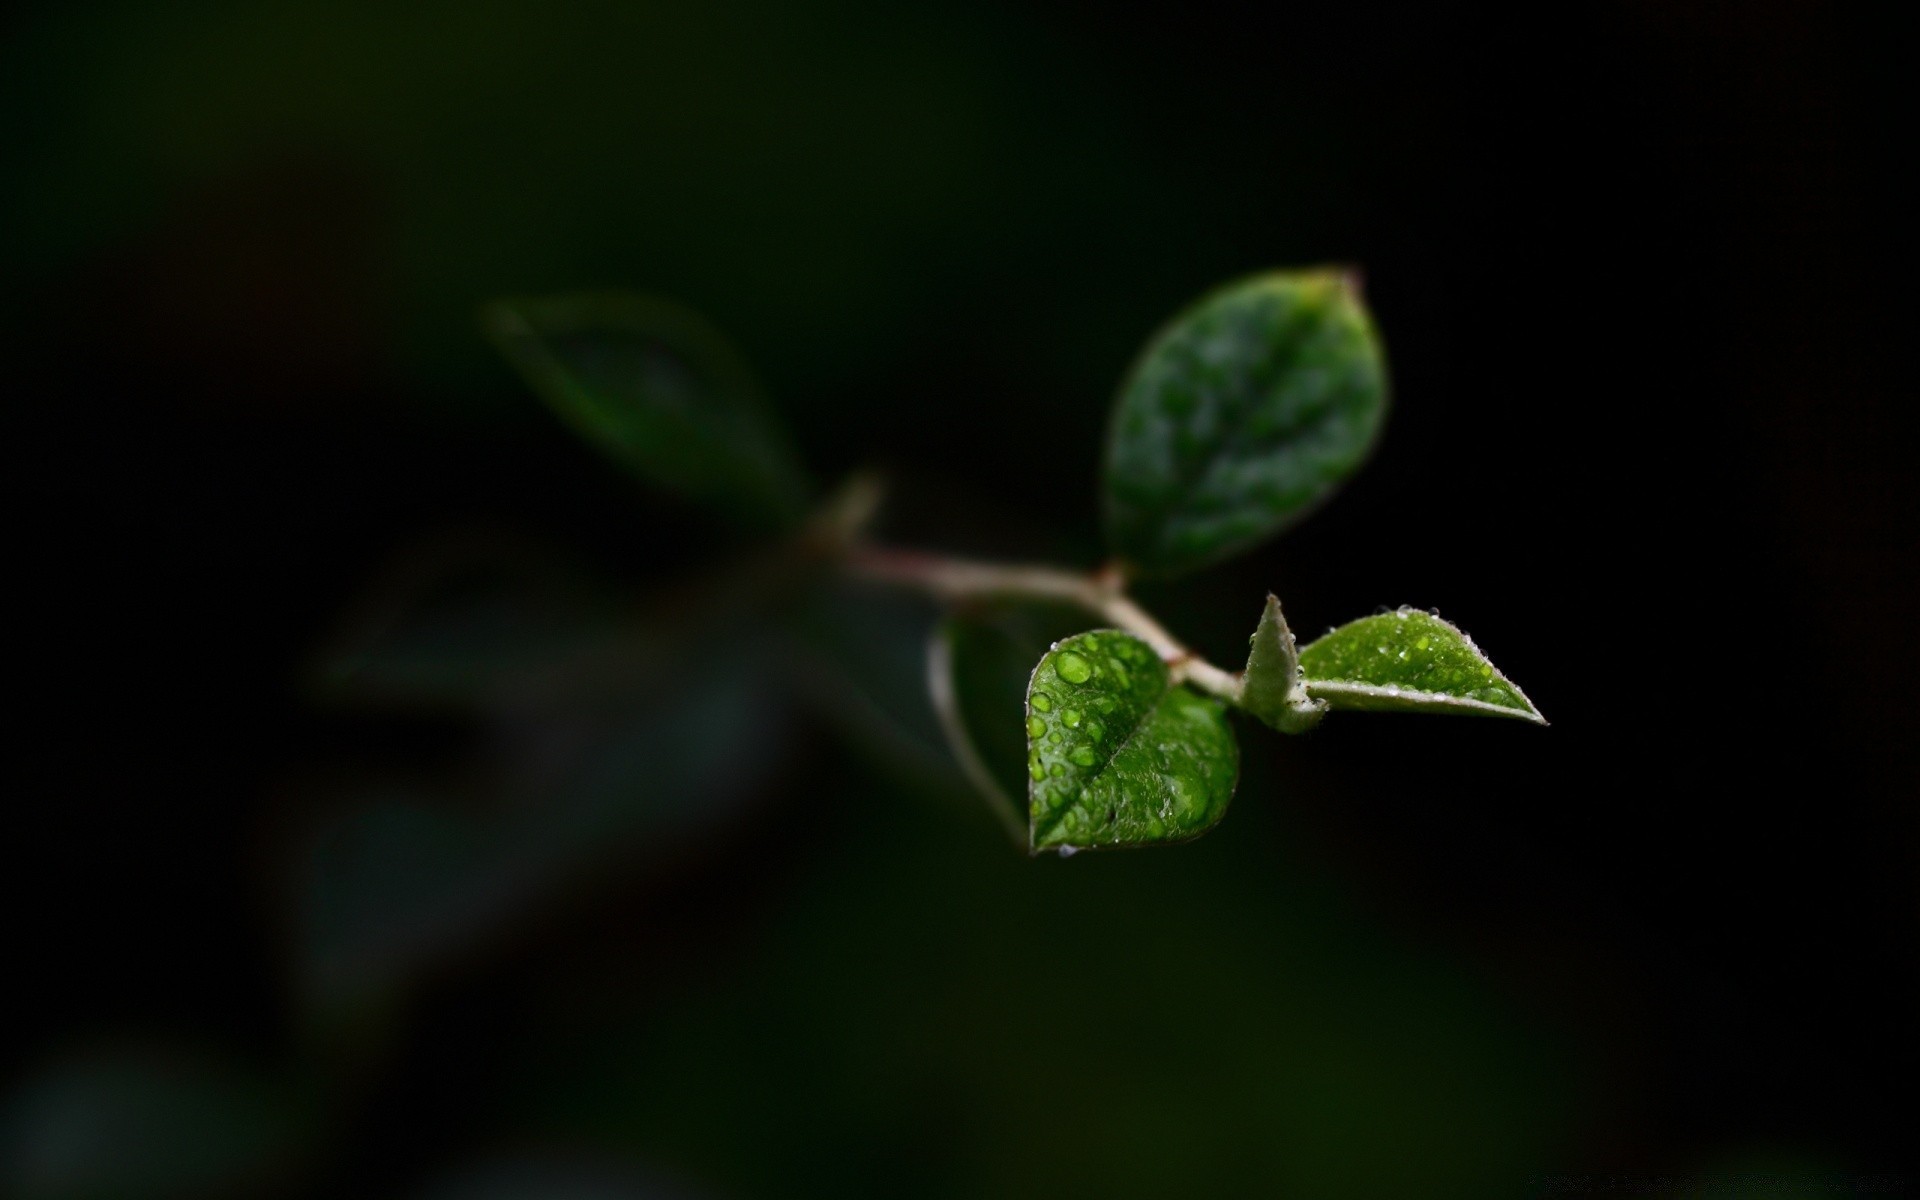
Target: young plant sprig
<point x="1238" y="419"/>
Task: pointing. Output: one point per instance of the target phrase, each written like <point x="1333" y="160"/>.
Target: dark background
<point x="1632" y="266"/>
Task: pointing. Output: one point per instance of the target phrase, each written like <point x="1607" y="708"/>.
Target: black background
<point x="1633" y="266"/>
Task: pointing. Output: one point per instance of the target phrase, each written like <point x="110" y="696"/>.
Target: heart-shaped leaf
<point x="1409" y="661"/>
<point x="1240" y="416"/>
<point x="1119" y="755"/>
<point x="1273" y="688"/>
<point x="661" y="392"/>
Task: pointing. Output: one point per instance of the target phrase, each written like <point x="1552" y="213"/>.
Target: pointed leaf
<point x="658" y="390"/>
<point x="1409" y="661"/>
<point x="1117" y="755"/>
<point x="1240" y="416"/>
<point x="1272" y="688"/>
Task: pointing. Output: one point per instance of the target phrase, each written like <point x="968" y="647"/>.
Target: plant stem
<point x="1101" y="594"/>
<point x="946" y="706"/>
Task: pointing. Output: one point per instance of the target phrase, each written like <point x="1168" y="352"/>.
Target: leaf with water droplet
<point x="658" y="390"/>
<point x="1123" y="756"/>
<point x="1241" y="415"/>
<point x="1409" y="661"/>
<point x="1272" y="688"/>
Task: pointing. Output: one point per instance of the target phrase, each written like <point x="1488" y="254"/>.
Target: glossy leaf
<point x="1273" y="688"/>
<point x="1117" y="754"/>
<point x="654" y="387"/>
<point x="1409" y="661"/>
<point x="1240" y="416"/>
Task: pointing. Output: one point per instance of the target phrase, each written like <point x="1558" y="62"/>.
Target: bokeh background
<point x="392" y="811"/>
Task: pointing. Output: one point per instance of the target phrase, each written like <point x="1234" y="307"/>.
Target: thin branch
<point x="1100" y="594"/>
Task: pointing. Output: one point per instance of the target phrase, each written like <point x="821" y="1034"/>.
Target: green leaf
<point x="1240" y="416"/>
<point x="658" y="390"/>
<point x="1117" y="755"/>
<point x="1409" y="661"/>
<point x="1273" y="688"/>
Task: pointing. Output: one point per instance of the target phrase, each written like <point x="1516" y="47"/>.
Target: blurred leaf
<point x="1409" y="661"/>
<point x="1118" y="755"/>
<point x="1240" y="416"/>
<point x="653" y="386"/>
<point x="482" y="622"/>
<point x="1233" y="1020"/>
<point x="1272" y="687"/>
<point x="406" y="881"/>
<point x="858" y="655"/>
<point x="149" y="1122"/>
<point x="555" y="1178"/>
<point x="979" y="663"/>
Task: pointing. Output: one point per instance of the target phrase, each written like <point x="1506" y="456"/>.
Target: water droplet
<point x="1035" y="771"/>
<point x="1072" y="667"/>
<point x="1069" y="851"/>
<point x="1083" y="756"/>
<point x="1041" y="702"/>
<point x="1071" y="716"/>
<point x="1055" y="737"/>
<point x="1035" y="727"/>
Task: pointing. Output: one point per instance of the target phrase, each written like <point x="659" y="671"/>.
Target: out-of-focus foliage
<point x="610" y="741"/>
<point x="654" y="387"/>
<point x="150" y="1121"/>
<point x="244" y="246"/>
<point x="1198" y="1022"/>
